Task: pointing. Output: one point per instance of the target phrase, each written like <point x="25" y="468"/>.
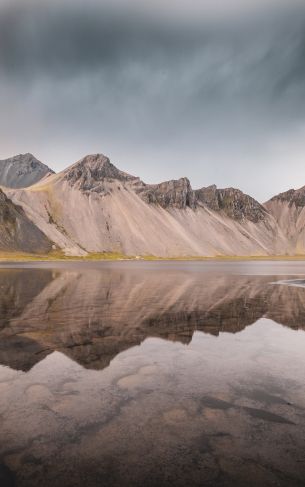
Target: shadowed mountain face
<point x="91" y="315"/>
<point x="17" y="232"/>
<point x="21" y="171"/>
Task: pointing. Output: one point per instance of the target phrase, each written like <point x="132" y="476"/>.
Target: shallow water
<point x="152" y="374"/>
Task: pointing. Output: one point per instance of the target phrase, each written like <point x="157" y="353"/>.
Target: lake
<point x="152" y="374"/>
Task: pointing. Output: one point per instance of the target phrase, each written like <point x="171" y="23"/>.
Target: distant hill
<point x="21" y="171"/>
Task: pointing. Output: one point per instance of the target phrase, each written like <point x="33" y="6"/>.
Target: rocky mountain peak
<point x="22" y="170"/>
<point x="176" y="193"/>
<point x="233" y="202"/>
<point x="27" y="156"/>
<point x="89" y="173"/>
<point x="292" y="196"/>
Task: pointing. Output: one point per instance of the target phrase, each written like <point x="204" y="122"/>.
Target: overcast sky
<point x="211" y="90"/>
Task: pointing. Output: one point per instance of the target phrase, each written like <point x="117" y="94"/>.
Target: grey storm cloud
<point x="168" y="95"/>
<point x="262" y="55"/>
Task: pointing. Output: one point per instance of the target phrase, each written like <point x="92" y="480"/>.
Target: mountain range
<point x="93" y="207"/>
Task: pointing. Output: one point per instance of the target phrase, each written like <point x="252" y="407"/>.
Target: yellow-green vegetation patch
<point x="106" y="256"/>
<point x="58" y="255"/>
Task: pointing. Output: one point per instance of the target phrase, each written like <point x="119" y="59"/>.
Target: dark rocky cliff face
<point x="292" y="196"/>
<point x="92" y="173"/>
<point x="233" y="202"/>
<point x="175" y="194"/>
<point x="17" y="232"/>
<point x="89" y="173"/>
<point x="22" y="171"/>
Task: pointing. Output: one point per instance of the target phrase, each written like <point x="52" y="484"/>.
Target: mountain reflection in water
<point x="92" y="315"/>
<point x="151" y="375"/>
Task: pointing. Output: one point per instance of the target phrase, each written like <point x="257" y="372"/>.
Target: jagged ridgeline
<point x="94" y="207"/>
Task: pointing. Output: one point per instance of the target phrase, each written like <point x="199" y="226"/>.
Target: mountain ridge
<point x="92" y="206"/>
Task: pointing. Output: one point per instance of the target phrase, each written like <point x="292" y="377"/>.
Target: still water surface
<point x="152" y="374"/>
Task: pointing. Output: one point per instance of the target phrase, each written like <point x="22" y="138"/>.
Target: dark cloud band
<point x="87" y="70"/>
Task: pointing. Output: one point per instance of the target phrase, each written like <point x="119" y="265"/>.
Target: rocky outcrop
<point x="22" y="171"/>
<point x="17" y="232"/>
<point x="292" y="197"/>
<point x="232" y="202"/>
<point x="174" y="193"/>
<point x="90" y="173"/>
